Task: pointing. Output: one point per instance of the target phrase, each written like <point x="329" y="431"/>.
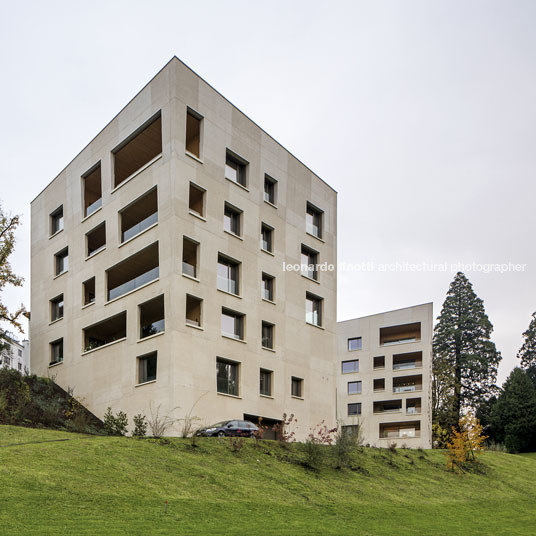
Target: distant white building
<point x="17" y="355"/>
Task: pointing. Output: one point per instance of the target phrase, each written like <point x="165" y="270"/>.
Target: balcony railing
<point x="188" y="269"/>
<point x="133" y="284"/>
<point x="153" y="328"/>
<point x="139" y="227"/>
<point x="228" y="285"/>
<point x="94" y="206"/>
<point x="406" y="365"/>
<point x="406" y="388"/>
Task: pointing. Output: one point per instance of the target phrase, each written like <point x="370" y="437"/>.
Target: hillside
<point x="63" y="483"/>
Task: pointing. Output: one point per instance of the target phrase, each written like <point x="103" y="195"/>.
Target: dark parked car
<point x="229" y="428"/>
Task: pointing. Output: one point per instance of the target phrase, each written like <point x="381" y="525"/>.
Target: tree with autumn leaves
<point x="8" y="225"/>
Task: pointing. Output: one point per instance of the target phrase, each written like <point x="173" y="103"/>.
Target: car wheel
<point x="221" y="433"/>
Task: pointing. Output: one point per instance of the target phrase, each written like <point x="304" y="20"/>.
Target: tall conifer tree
<point x="465" y="360"/>
<point x="527" y="353"/>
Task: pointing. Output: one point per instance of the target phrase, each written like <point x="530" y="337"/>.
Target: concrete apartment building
<point x="157" y="266"/>
<point x="384" y="376"/>
<point x="16" y="355"/>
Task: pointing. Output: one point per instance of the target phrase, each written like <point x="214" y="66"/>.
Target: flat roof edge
<point x="386" y="312"/>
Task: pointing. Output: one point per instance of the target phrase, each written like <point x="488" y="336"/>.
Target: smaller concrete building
<point x="16" y="355"/>
<point x="384" y="377"/>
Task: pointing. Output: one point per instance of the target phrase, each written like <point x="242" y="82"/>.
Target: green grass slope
<point x="62" y="483"/>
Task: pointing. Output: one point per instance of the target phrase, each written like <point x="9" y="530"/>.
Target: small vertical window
<point x="231" y="219"/>
<point x="189" y="257"/>
<point x="235" y="169"/>
<point x="61" y="260"/>
<point x="56" y="221"/>
<point x="96" y="240"/>
<point x="313" y="309"/>
<point x="228" y="273"/>
<point x="267" y="238"/>
<point x="196" y="200"/>
<point x="379" y="384"/>
<point x="232" y="324"/>
<point x="267" y="287"/>
<point x="88" y="291"/>
<point x="227" y="377"/>
<point x="265" y="382"/>
<point x="270" y="189"/>
<point x="313" y="221"/>
<point x="268" y="335"/>
<point x="92" y="190"/>
<point x="56" y="308"/>
<point x="354" y="409"/>
<point x="297" y="387"/>
<point x="56" y="352"/>
<point x="309" y="263"/>
<point x="147" y="365"/>
<point x="152" y="318"/>
<point x="354" y="388"/>
<point x="193" y="133"/>
<point x="193" y="310"/>
<point x="355" y="343"/>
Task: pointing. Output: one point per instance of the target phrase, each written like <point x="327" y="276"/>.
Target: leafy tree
<point x="527" y="353"/>
<point x="513" y="416"/>
<point x="465" y="360"/>
<point x="466" y="442"/>
<point x="8" y="224"/>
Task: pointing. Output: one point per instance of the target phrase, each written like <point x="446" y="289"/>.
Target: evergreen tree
<point x="513" y="416"/>
<point x="8" y="224"/>
<point x="465" y="360"/>
<point x="527" y="353"/>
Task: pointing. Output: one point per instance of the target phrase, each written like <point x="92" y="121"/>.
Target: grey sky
<point x="420" y="114"/>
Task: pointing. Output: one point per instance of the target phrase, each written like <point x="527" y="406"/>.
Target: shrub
<point x="285" y="429"/>
<point x="314" y="446"/>
<point x="236" y="443"/>
<point x="346" y="442"/>
<point x="440" y="436"/>
<point x="465" y="443"/>
<point x="159" y="424"/>
<point x="140" y="426"/>
<point x="115" y="424"/>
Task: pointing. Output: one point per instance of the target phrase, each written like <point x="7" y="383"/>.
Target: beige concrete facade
<point x="186" y="354"/>
<point x="388" y="392"/>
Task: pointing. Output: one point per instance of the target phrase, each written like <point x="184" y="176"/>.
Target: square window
<point x="235" y="168"/>
<point x="196" y="199"/>
<point x="193" y="310"/>
<point x="62" y="261"/>
<point x="56" y="221"/>
<point x="313" y="309"/>
<point x="267" y="287"/>
<point x="232" y="324"/>
<point x="56" y="308"/>
<point x="379" y="384"/>
<point x="270" y="189"/>
<point x="231" y="219"/>
<point x="56" y="351"/>
<point x="354" y="388"/>
<point x="309" y="262"/>
<point x="268" y="335"/>
<point x="379" y="362"/>
<point x="265" y="382"/>
<point x="267" y="237"/>
<point x="313" y="220"/>
<point x="147" y="368"/>
<point x="227" y="377"/>
<point x="297" y="387"/>
<point x="354" y="409"/>
<point x="193" y="132"/>
<point x="228" y="273"/>
<point x="350" y="366"/>
<point x="356" y="343"/>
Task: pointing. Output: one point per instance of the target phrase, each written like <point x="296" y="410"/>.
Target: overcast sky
<point x="420" y="114"/>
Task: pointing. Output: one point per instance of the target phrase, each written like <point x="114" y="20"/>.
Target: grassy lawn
<point x="61" y="483"/>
